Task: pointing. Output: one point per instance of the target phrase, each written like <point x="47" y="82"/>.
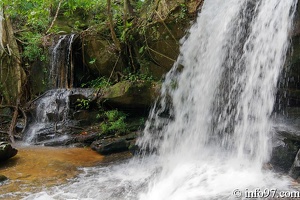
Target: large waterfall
<point x="220" y="93"/>
<point x="208" y="136"/>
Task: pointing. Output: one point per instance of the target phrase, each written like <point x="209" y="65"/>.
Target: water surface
<point x="35" y="168"/>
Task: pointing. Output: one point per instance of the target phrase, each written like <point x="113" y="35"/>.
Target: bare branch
<point x="111" y="26"/>
<point x="54" y="19"/>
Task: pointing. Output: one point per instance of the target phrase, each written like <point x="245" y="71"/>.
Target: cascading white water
<point x="224" y="95"/>
<point x="52" y="108"/>
<point x="69" y="64"/>
<point x="210" y="132"/>
<point x="51" y="115"/>
<point x="214" y="116"/>
<point x="55" y="61"/>
<point x="61" y="72"/>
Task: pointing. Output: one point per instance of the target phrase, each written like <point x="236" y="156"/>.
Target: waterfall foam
<point x="209" y="134"/>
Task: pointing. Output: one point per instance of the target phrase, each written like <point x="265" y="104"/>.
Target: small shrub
<point x="83" y="104"/>
<point x="114" y="122"/>
<point x="133" y="77"/>
<point x="100" y="82"/>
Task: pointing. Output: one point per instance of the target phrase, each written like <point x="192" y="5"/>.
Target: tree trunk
<point x="12" y="75"/>
<point x="111" y="26"/>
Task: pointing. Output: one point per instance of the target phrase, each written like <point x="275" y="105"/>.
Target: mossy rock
<point x="127" y="94"/>
<point x="164" y="24"/>
<point x="100" y="55"/>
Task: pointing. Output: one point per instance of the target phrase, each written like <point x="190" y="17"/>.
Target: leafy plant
<point x="183" y="11"/>
<point x="100" y="82"/>
<point x="92" y="61"/>
<point x="138" y="77"/>
<point x="114" y="122"/>
<point x="83" y="104"/>
<point x="33" y="50"/>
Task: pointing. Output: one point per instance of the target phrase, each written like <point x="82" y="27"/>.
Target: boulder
<point x="109" y="146"/>
<point x="86" y="117"/>
<point x="54" y="115"/>
<point x="100" y="55"/>
<point x="135" y="95"/>
<point x="2" y="178"/>
<point x="294" y="172"/>
<point x="284" y="155"/>
<point x="112" y="144"/>
<point x="7" y="151"/>
<point x="286" y="144"/>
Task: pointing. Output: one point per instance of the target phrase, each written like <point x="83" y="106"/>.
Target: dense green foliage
<point x="100" y="82"/>
<point x="33" y="20"/>
<point x="138" y="77"/>
<point x="114" y="122"/>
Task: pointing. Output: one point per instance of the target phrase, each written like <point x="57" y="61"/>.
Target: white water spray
<point x="224" y="95"/>
<point x="210" y="132"/>
<point x="213" y="121"/>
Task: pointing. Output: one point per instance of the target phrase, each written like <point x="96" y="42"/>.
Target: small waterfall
<point x="51" y="113"/>
<point x="62" y="66"/>
<point x="51" y="117"/>
<point x="51" y="109"/>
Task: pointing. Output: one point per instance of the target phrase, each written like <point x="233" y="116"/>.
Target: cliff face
<point x="149" y="43"/>
<point x="290" y="82"/>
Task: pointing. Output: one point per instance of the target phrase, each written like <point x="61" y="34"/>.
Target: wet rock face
<point x="2" y="178"/>
<point x="63" y="117"/>
<point x="100" y="56"/>
<point x="55" y="115"/>
<point x="283" y="155"/>
<point x="131" y="95"/>
<point x="111" y="145"/>
<point x="6" y="151"/>
<point x="286" y="145"/>
<point x="294" y="172"/>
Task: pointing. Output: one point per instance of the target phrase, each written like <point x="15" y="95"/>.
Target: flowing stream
<point x="208" y="136"/>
